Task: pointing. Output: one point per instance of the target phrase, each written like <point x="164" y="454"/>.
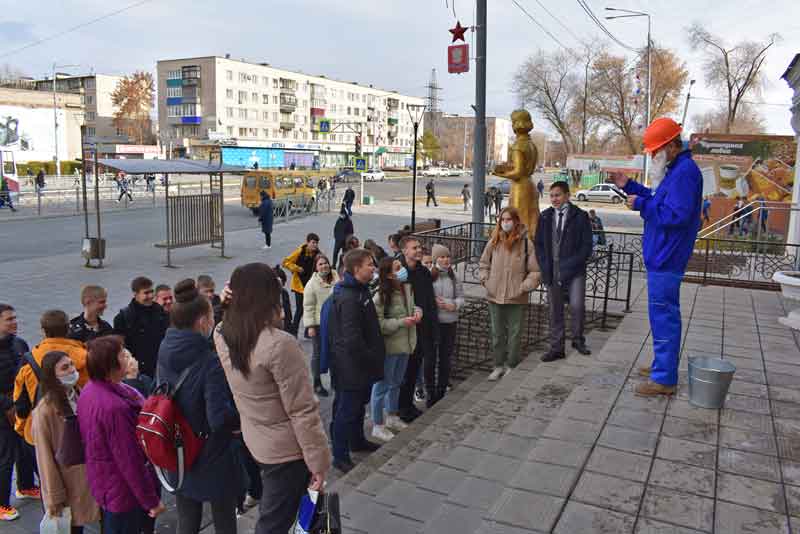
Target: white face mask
<point x="507" y="226"/>
<point x="658" y="168"/>
<point x="440" y="267"/>
<point x="71" y="379"/>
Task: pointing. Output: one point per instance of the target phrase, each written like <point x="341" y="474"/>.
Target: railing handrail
<point x="759" y="206"/>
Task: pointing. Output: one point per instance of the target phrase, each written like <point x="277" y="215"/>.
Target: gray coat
<point x="452" y="291"/>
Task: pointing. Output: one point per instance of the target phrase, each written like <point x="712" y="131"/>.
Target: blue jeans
<point x="386" y="393"/>
<point x="664" y="310"/>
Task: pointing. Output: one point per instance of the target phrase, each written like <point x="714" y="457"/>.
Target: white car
<point x="435" y="172"/>
<point x="374" y="175"/>
<point x="602" y="192"/>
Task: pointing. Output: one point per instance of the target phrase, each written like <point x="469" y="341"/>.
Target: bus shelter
<point x="191" y="219"/>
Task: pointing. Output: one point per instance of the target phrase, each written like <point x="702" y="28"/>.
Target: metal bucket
<point x="709" y="379"/>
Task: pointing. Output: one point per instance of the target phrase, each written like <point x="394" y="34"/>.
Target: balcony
<point x="288" y="87"/>
<point x="288" y="103"/>
<point x="287" y="125"/>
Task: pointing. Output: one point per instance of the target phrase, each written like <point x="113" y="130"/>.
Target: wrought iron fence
<point x="608" y="280"/>
<point x="746" y="263"/>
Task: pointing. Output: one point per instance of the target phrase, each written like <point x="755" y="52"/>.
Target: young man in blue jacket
<point x="671" y="214"/>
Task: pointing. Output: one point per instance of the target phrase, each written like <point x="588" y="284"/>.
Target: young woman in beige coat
<point x="62" y="486"/>
<point x="509" y="272"/>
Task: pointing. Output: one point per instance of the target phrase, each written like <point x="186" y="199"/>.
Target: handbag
<point x="327" y="518"/>
<point x="70" y="451"/>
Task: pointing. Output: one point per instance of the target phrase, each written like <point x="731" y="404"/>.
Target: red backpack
<point x="166" y="436"/>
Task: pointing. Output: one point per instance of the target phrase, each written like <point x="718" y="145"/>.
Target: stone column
<point x="792" y="77"/>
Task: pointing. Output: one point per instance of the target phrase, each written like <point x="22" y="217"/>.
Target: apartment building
<point x="456" y="138"/>
<point x="95" y="93"/>
<point x="259" y="114"/>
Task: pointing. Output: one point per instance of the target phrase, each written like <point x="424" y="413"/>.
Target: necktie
<point x="560" y="223"/>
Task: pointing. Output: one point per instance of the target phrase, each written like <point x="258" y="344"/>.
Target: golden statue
<point x="522" y="157"/>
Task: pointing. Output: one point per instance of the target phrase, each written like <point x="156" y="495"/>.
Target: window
<point x="174" y="111"/>
<point x="229" y="75"/>
<point x="356" y="110"/>
<point x="90" y="83"/>
<point x="242" y="97"/>
<point x="333" y="108"/>
<point x="90" y="131"/>
<point x="348" y="110"/>
<point x="91" y="115"/>
<point x="242" y="79"/>
<point x="229" y="112"/>
<point x="171" y="92"/>
<point x="189" y="110"/>
<point x="314" y="136"/>
<point x="242" y="132"/>
<point x="275" y="100"/>
<point x="229" y="94"/>
<point x="255" y="97"/>
<point x="229" y="130"/>
<point x="275" y="117"/>
<point x="275" y="83"/>
<point x="363" y="99"/>
<point x="265" y="115"/>
<point x="253" y="114"/>
<point x="90" y="98"/>
<point x="265" y="99"/>
<point x="265" y="132"/>
<point x="265" y="80"/>
<point x="253" y="132"/>
<point x="276" y="133"/>
<point x="243" y="113"/>
<point x="120" y="132"/>
<point x="174" y="75"/>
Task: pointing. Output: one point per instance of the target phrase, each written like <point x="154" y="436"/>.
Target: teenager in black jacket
<point x="143" y="324"/>
<point x="342" y="229"/>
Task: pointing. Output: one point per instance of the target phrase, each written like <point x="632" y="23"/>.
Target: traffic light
<point x="358" y="144"/>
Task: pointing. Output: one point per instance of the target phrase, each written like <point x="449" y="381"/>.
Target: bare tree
<point x="736" y="70"/>
<point x="133" y="98"/>
<point x="612" y="99"/>
<point x="545" y="83"/>
<point x="748" y="120"/>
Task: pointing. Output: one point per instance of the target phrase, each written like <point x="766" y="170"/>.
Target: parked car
<point x="602" y="192"/>
<point x="454" y="172"/>
<point x="346" y="176"/>
<point x="374" y="175"/>
<point x="435" y="172"/>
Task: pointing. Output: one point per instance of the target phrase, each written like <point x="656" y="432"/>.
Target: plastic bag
<point x="56" y="525"/>
<point x="306" y="513"/>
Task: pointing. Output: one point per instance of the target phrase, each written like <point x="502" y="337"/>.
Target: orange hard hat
<point x="660" y="132"/>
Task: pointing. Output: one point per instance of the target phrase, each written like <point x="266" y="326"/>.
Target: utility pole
<point x="55" y="123"/>
<point x="464" y="163"/>
<point x="479" y="137"/>
<point x="649" y="89"/>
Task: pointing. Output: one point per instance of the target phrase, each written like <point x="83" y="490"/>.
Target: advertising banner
<point x="29" y="133"/>
<point x="265" y="158"/>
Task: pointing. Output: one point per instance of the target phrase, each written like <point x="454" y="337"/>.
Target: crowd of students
<point x="383" y="324"/>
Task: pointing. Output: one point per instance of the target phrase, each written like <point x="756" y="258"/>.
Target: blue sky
<point x="392" y="44"/>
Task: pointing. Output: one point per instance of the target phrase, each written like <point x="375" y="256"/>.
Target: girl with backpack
<point x="205" y="400"/>
<point x="398" y="317"/>
<point x="63" y="486"/>
<point x="449" y="300"/>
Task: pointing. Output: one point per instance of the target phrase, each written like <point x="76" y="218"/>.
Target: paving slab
<point x="680" y="508"/>
<point x="580" y="517"/>
<point x="609" y="492"/>
<point x="751" y="492"/>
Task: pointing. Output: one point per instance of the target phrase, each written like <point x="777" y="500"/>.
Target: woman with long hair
<point x="62" y="486"/>
<point x="120" y="477"/>
<point x="269" y="378"/>
<point x="316" y="292"/>
<point x="398" y="317"/>
<point x="206" y="401"/>
<point x="449" y="300"/>
<point x="509" y="272"/>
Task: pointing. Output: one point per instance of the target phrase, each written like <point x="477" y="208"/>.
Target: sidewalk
<point x="568" y="448"/>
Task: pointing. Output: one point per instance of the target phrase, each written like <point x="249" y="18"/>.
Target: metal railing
<point x="746" y="263"/>
<point x="609" y="276"/>
<point x="742" y="218"/>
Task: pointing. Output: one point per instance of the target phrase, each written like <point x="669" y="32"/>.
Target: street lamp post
<point x="55" y="116"/>
<point x="633" y="14"/>
<point x="416" y="112"/>
<point x="686" y="106"/>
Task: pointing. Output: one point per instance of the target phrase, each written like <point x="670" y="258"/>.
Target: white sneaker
<point x="382" y="433"/>
<point x="395" y="423"/>
<point x="496" y="374"/>
<point x="507" y="371"/>
<point x="266" y="247"/>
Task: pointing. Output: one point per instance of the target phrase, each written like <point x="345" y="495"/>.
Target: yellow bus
<point x="280" y="184"/>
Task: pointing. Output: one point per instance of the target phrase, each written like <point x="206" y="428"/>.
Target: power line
<point x="600" y="25"/>
<point x="74" y="28"/>
<point x="569" y="30"/>
<point x="709" y="99"/>
<point x="545" y="30"/>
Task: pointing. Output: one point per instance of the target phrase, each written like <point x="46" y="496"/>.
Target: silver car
<point x="603" y="193"/>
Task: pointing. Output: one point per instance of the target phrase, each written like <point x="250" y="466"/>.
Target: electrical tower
<point x="432" y="103"/>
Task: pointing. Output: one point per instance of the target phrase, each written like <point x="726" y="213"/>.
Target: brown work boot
<point x="644" y="371"/>
<point x="651" y="389"/>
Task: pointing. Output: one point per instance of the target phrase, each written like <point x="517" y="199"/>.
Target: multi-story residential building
<point x="273" y="117"/>
<point x="456" y="138"/>
<point x="95" y="91"/>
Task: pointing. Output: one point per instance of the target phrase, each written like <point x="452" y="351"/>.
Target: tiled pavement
<point x="568" y="448"/>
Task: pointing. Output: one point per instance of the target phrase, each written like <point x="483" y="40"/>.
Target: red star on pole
<point x="458" y="32"/>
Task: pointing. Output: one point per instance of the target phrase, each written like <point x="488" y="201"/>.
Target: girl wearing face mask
<point x="398" y="317"/>
<point x="205" y="399"/>
<point x="508" y="271"/>
<point x="316" y="292"/>
<point x="62" y="486"/>
<point x="449" y="299"/>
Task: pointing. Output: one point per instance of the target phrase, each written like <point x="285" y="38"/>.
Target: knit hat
<point x="438" y="251"/>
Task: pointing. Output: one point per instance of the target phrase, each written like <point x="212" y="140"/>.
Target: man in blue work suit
<point x="671" y="213"/>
